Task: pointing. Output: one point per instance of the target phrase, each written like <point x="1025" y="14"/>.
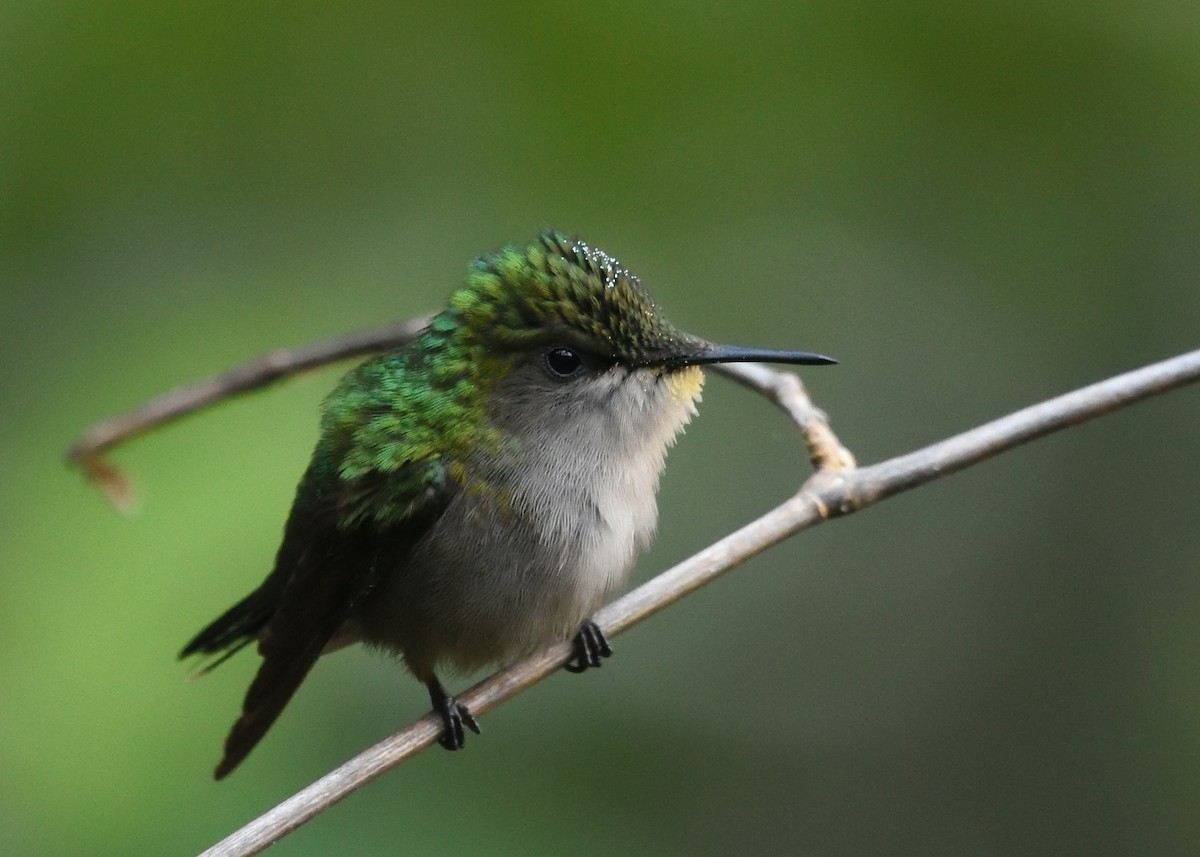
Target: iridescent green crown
<point x="560" y="288"/>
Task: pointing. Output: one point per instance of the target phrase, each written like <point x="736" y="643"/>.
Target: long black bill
<point x="710" y="353"/>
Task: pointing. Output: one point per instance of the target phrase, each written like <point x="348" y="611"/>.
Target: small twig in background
<point x="88" y="452"/>
<point x="787" y="391"/>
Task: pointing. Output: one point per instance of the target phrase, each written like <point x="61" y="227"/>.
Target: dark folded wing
<point x="332" y="566"/>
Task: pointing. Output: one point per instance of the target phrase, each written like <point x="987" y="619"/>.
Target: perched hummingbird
<point x="478" y="493"/>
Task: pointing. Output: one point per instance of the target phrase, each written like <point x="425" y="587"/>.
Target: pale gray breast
<point x="548" y="529"/>
<point x="585" y="471"/>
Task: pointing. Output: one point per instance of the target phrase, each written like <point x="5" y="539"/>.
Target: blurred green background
<point x="974" y="207"/>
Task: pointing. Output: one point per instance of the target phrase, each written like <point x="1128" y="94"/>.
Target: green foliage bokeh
<point x="972" y="207"/>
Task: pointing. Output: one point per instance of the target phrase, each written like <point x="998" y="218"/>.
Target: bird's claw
<point x="591" y="647"/>
<point x="456" y="716"/>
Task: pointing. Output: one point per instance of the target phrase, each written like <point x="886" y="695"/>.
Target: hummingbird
<point x="478" y="493"/>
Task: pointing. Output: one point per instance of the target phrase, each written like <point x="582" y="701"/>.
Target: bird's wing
<point x="329" y="559"/>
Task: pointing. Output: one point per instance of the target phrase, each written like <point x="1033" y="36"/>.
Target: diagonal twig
<point x="88" y="452"/>
<point x="834" y="490"/>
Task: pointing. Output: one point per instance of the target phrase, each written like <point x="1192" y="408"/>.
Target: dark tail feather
<point x="230" y="632"/>
<point x="320" y="574"/>
<point x="276" y="682"/>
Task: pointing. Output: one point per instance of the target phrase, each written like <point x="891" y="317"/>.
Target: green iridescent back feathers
<point x="413" y="414"/>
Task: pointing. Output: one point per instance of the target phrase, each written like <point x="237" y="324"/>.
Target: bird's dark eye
<point x="563" y="362"/>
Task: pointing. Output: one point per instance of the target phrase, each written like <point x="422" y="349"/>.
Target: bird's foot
<point x="456" y="717"/>
<point x="591" y="647"/>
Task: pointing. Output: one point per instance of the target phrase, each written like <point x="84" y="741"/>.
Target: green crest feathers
<point x="523" y="296"/>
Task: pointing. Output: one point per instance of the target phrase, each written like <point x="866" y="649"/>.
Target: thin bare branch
<point x="829" y="493"/>
<point x="787" y="391"/>
<point x="88" y="452"/>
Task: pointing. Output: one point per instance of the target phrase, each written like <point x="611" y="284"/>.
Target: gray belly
<point x="489" y="583"/>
